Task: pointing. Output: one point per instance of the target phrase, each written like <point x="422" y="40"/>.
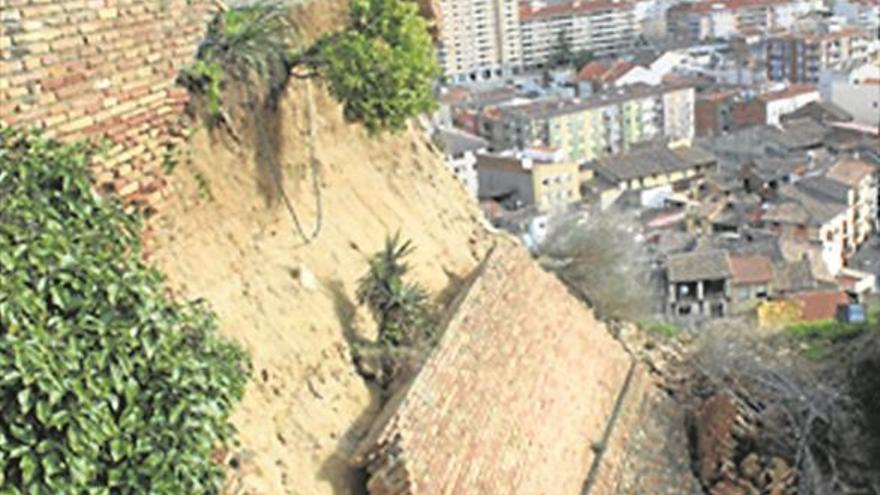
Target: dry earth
<point x="230" y="240"/>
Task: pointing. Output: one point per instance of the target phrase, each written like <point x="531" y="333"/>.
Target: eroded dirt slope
<point x="230" y="240"/>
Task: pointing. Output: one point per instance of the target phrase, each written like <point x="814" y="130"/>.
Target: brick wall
<point x="749" y="113"/>
<point x="514" y="400"/>
<point x="102" y="69"/>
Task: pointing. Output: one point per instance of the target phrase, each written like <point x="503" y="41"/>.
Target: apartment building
<point x="831" y="215"/>
<point x="602" y="27"/>
<point x="862" y="13"/>
<point x="802" y="57"/>
<point x="709" y="19"/>
<point x="700" y="21"/>
<point x="478" y="39"/>
<point x="604" y="124"/>
<point x="861" y="179"/>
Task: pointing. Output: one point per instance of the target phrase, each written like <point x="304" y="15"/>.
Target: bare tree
<point x="601" y="261"/>
<point x="818" y="419"/>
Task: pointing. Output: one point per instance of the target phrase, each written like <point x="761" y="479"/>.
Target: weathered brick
<point x="88" y="68"/>
<point x="512" y="398"/>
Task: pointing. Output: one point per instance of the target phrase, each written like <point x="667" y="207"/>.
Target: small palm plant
<point x="399" y="308"/>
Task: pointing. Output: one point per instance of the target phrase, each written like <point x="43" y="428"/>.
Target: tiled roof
<point x="591" y="71"/>
<point x="811" y="201"/>
<point x="850" y="172"/>
<point x="802" y="133"/>
<point x="617" y="70"/>
<point x="823" y="110"/>
<point x="794" y="276"/>
<point x="820" y="305"/>
<point x="698" y="265"/>
<point x="531" y="12"/>
<point x="788" y="212"/>
<point x="750" y="270"/>
<point x="824" y="188"/>
<point x="542" y="109"/>
<point x="776" y="168"/>
<point x="649" y="160"/>
<point x="454" y="141"/>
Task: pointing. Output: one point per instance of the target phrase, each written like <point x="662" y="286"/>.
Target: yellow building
<point x="541" y="178"/>
<point x="654" y="166"/>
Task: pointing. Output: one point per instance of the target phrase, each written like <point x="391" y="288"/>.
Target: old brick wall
<point x="515" y="399"/>
<point x="102" y="69"/>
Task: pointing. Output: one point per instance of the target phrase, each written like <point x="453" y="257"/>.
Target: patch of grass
<point x="661" y="329"/>
<point x="816" y="338"/>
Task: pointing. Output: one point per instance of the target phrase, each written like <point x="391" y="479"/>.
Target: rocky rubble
<point x="725" y="431"/>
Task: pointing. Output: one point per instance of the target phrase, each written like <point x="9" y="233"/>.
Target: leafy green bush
<point x="817" y="337"/>
<point x="106" y="385"/>
<point x="661" y="329"/>
<point x="382" y="67"/>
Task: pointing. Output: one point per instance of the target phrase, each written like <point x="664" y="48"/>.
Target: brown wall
<point x="706" y="121"/>
<point x="521" y="387"/>
<point x="749" y="113"/>
<point x="102" y="69"/>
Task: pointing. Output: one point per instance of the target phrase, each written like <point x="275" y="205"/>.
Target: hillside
<point x="291" y="305"/>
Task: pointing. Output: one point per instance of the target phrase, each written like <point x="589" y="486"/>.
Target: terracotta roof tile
<point x="750" y="270"/>
<point x="617" y="70"/>
<point x="820" y="305"/>
<point x="591" y="71"/>
<point x="850" y="172"/>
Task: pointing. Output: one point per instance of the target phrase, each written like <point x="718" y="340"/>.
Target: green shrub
<point x="244" y="40"/>
<point x="818" y="337"/>
<point x="382" y="67"/>
<point x="661" y="329"/>
<point x="107" y="386"/>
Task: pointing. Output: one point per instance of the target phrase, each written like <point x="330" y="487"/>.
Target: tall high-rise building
<point x="802" y="57"/>
<point x="478" y="39"/>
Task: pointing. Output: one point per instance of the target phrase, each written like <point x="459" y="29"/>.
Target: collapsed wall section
<point x="516" y="398"/>
<point x="102" y="69"/>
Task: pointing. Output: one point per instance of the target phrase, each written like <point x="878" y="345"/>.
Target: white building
<point x="460" y="150"/>
<point x="478" y="39"/>
<point x="601" y="27"/>
<point x="781" y="102"/>
<point x="650" y="18"/>
<point x="654" y="73"/>
<point x="862" y="13"/>
<point x="857" y="91"/>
